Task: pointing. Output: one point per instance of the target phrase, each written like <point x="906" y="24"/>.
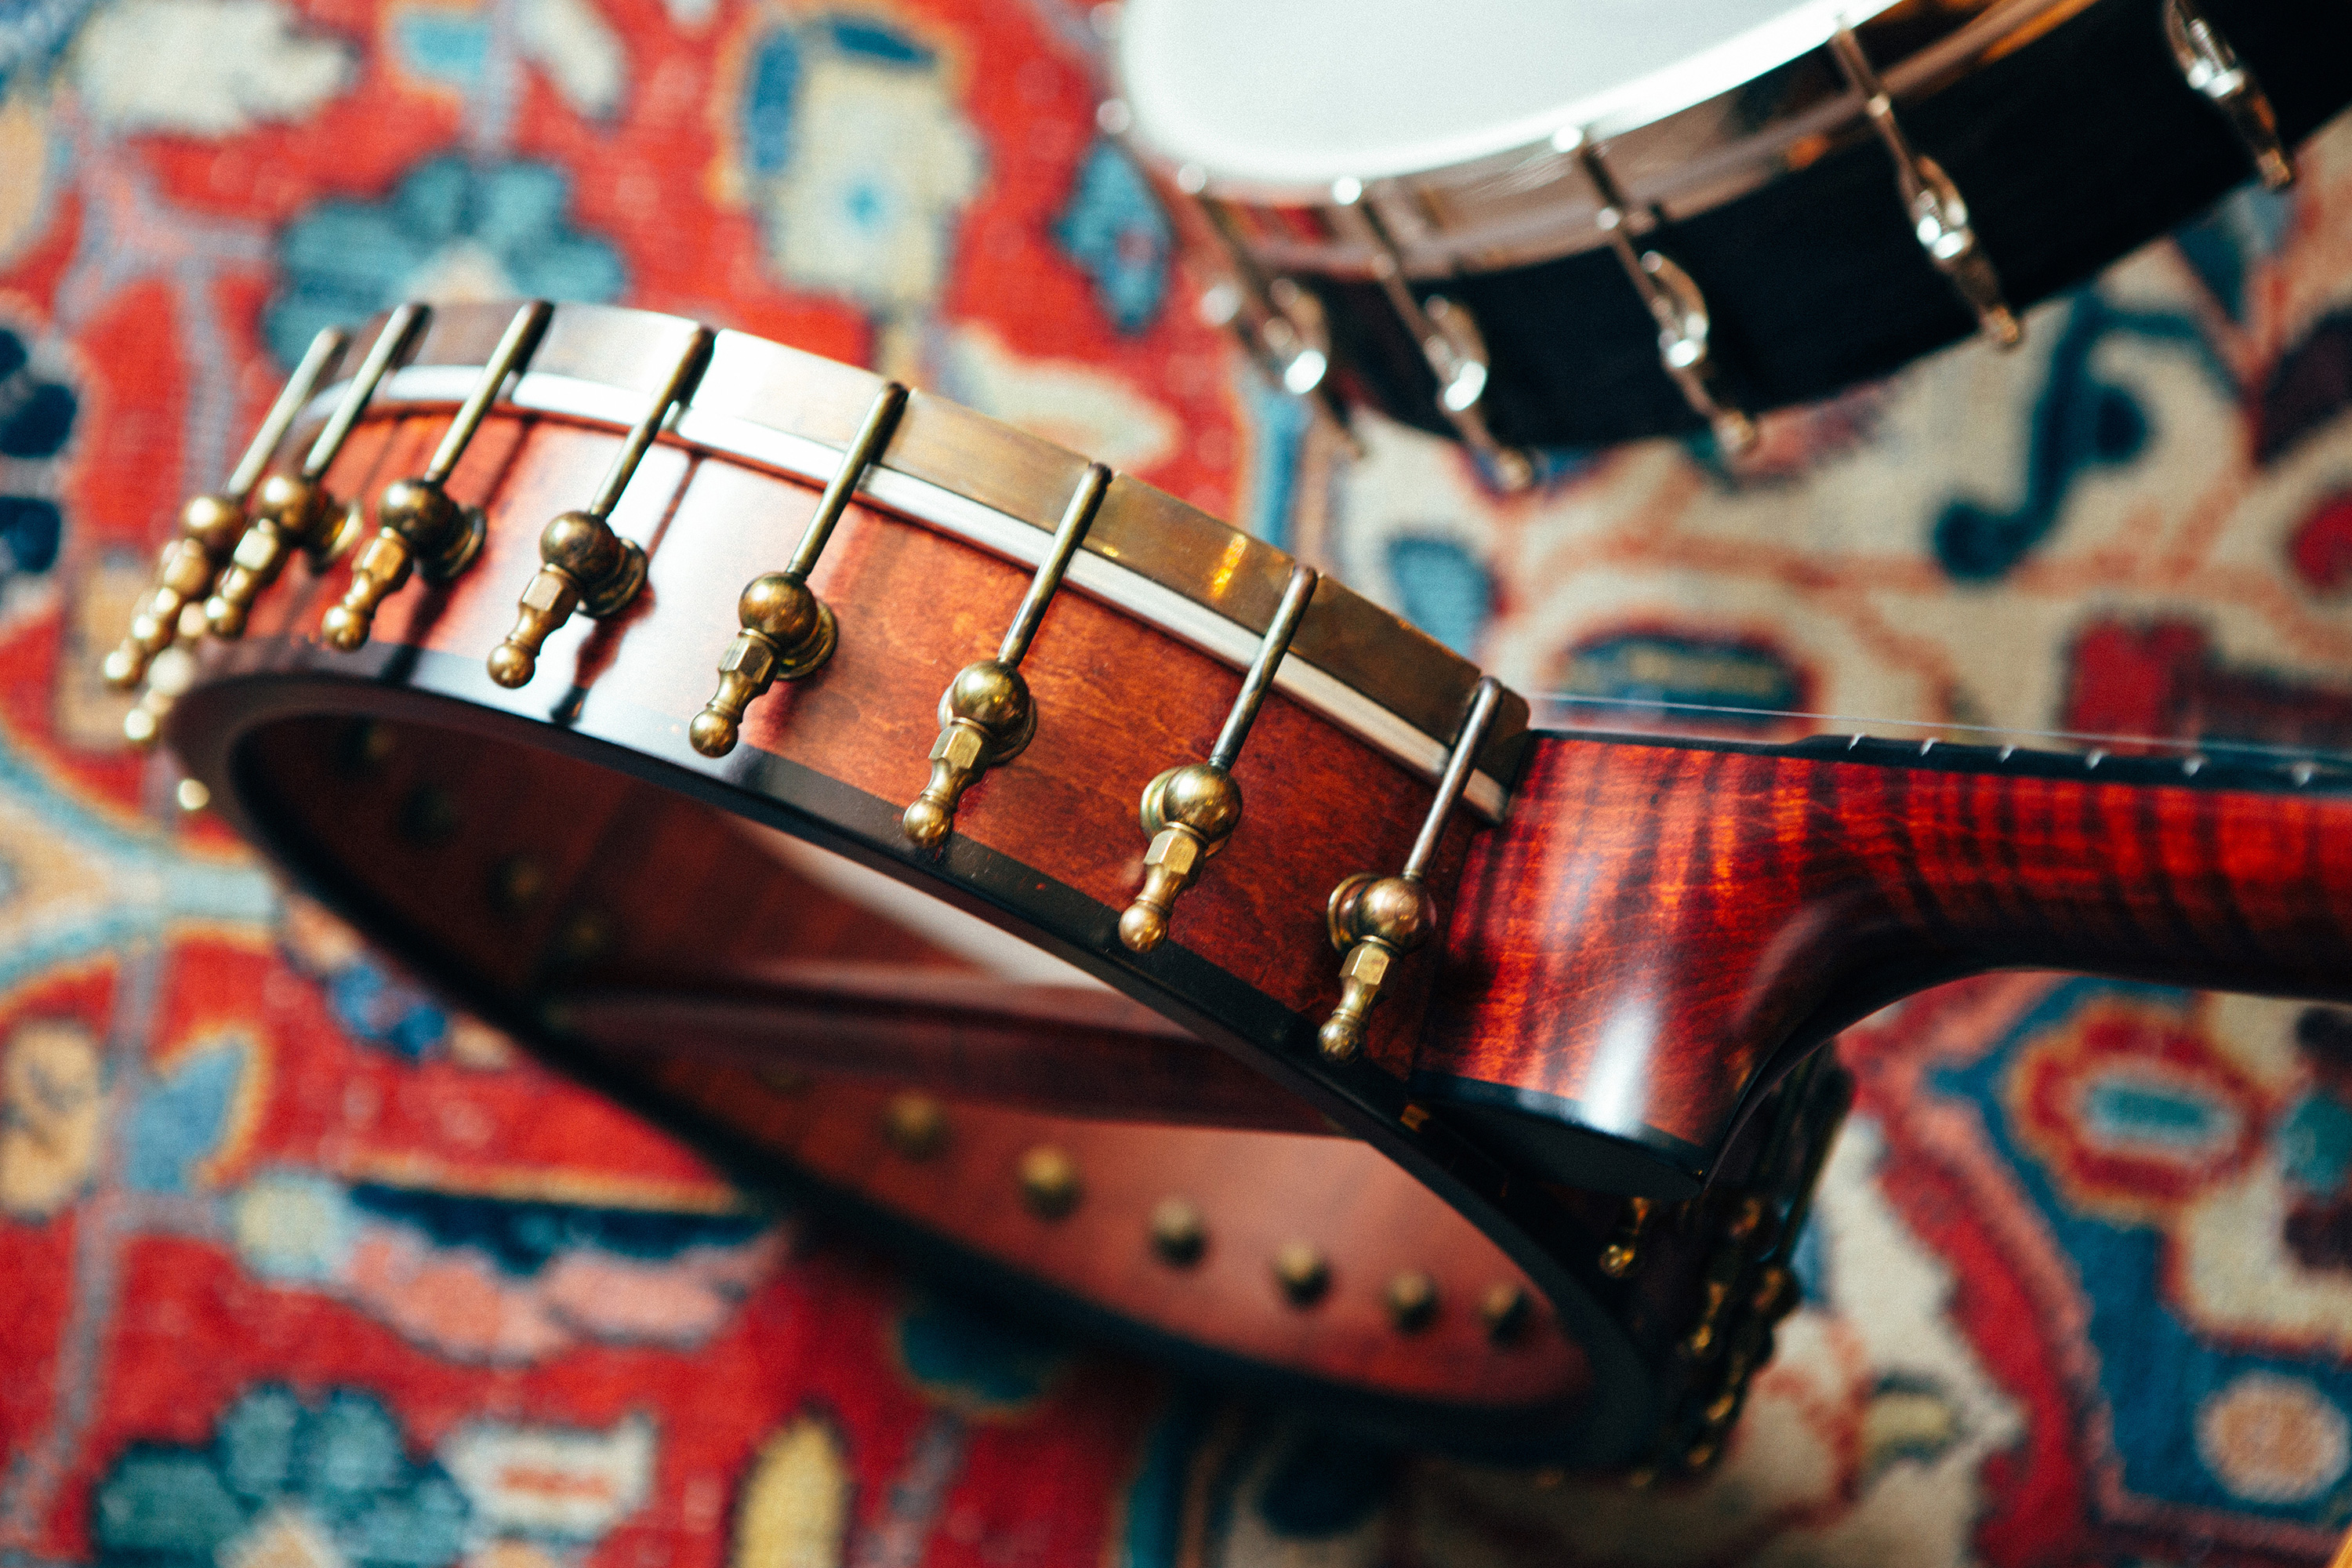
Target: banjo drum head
<point x="1305" y="93"/>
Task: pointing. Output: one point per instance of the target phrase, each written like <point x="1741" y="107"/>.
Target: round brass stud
<point x="1505" y="1311"/>
<point x="1179" y="1234"/>
<point x="916" y="1125"/>
<point x="192" y="795"/>
<point x="1300" y="1270"/>
<point x="587" y="933"/>
<point x="1049" y="1182"/>
<point x="517" y="882"/>
<point x="1617" y="1258"/>
<point x="1412" y="1300"/>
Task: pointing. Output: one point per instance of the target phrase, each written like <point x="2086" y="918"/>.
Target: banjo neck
<point x="1660" y="930"/>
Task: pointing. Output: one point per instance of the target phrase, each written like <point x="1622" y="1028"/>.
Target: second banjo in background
<point x="1534" y="225"/>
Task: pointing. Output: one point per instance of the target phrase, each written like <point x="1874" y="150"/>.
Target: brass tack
<point x="1178" y="1235"/>
<point x="192" y="795"/>
<point x="916" y="1125"/>
<point x="1700" y="1455"/>
<point x="428" y="818"/>
<point x="517" y="882"/>
<point x="1617" y="1259"/>
<point x="1049" y="1182"/>
<point x="1300" y="1270"/>
<point x="1504" y="1310"/>
<point x="587" y="933"/>
<point x="1412" y="1300"/>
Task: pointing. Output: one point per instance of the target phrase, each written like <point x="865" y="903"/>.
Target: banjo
<point x="1540" y="226"/>
<point x="1105" y="904"/>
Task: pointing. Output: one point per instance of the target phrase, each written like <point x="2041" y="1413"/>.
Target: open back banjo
<point x="1091" y="894"/>
<point x="1572" y="224"/>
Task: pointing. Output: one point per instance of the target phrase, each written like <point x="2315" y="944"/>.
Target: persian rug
<point x="299" y="1268"/>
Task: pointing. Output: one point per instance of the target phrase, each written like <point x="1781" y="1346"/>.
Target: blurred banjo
<point x="1547" y="223"/>
<point x="1100" y="900"/>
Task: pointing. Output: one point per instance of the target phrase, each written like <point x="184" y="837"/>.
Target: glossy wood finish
<point x="1660" y="928"/>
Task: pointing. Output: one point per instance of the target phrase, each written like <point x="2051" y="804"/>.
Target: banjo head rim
<point x="1681" y="141"/>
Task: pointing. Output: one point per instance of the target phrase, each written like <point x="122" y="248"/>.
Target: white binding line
<point x="919" y="500"/>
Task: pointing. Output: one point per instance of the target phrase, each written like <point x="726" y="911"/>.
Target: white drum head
<point x="1303" y="92"/>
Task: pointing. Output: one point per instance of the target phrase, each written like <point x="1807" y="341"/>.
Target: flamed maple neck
<point x="1662" y="928"/>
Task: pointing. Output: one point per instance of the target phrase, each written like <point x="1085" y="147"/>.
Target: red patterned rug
<point x="299" y="1267"/>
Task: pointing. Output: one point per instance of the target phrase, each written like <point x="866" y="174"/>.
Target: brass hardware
<point x="419" y="525"/>
<point x="294" y="512"/>
<point x="192" y="795"/>
<point x="210" y="525"/>
<point x="1685" y="325"/>
<point x="986" y="717"/>
<point x="1939" y="215"/>
<point x="1505" y="1311"/>
<point x="1190" y="811"/>
<point x="1450" y="341"/>
<point x="1179" y="1234"/>
<point x="1623" y="1253"/>
<point x="788" y="632"/>
<point x="2211" y="66"/>
<point x="169" y="675"/>
<point x="1375" y="920"/>
<point x="1411" y="1301"/>
<point x="1049" y="1182"/>
<point x="583" y="565"/>
<point x="587" y="933"/>
<point x="916" y="1125"/>
<point x="1300" y="1270"/>
<point x="517" y="882"/>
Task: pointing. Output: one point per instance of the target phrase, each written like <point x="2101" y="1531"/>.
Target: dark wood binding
<point x="1660" y="928"/>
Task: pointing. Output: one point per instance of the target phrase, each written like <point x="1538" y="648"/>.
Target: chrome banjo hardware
<point x="788" y="632"/>
<point x="1375" y="920"/>
<point x="1939" y="215"/>
<point x="419" y="526"/>
<point x="1449" y="338"/>
<point x="1190" y="811"/>
<point x="210" y="526"/>
<point x="2211" y="66"/>
<point x="1277" y="323"/>
<point x="295" y="511"/>
<point x="583" y="565"/>
<point x="1671" y="296"/>
<point x="986" y="715"/>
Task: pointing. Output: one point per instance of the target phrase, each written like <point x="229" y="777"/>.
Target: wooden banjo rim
<point x="955" y="471"/>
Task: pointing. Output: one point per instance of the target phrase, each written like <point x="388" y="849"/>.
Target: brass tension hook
<point x="295" y="510"/>
<point x="1190" y="811"/>
<point x="986" y="717"/>
<point x="1375" y="920"/>
<point x="418" y="524"/>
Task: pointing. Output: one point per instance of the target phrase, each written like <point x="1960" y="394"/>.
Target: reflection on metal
<point x="583" y="565"/>
<point x="986" y="716"/>
<point x="1449" y="338"/>
<point x="1190" y="811"/>
<point x="1938" y="214"/>
<point x="2210" y="64"/>
<point x="1672" y="299"/>
<point x="418" y="524"/>
<point x="1375" y="920"/>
